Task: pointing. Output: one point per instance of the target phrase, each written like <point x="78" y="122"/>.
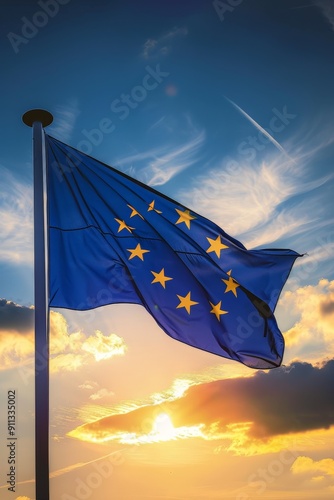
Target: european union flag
<point x="113" y="240"/>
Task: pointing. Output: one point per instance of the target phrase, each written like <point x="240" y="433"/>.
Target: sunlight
<point x="163" y="427"/>
<point x="162" y="430"/>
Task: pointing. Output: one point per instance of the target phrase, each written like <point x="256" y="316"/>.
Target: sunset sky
<point x="227" y="107"/>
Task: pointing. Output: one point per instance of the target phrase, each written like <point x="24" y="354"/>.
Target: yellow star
<point x="186" y="302"/>
<point x="123" y="225"/>
<point x="151" y="207"/>
<point x="137" y="252"/>
<point x="134" y="212"/>
<point x="216" y="310"/>
<point x="216" y="246"/>
<point x="231" y="284"/>
<point x="160" y="277"/>
<point x="184" y="217"/>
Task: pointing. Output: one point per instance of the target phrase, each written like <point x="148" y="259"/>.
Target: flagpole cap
<point x="37" y="115"/>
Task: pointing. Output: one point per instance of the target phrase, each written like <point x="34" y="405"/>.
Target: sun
<point x="163" y="426"/>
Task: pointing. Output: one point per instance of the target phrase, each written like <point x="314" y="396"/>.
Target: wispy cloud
<point x="245" y="199"/>
<point x="260" y="201"/>
<point x="320" y="249"/>
<point x="259" y="128"/>
<point x="16" y="199"/>
<point x="154" y="47"/>
<point x="88" y="385"/>
<point x="291" y="218"/>
<point x="327" y="8"/>
<point x="157" y="166"/>
<point x="102" y="394"/>
<point x="157" y="123"/>
<point x="115" y="458"/>
<point x="65" y="117"/>
<point x="16" y="220"/>
<point x="80" y="465"/>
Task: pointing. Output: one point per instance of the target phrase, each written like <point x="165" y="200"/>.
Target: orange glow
<point x="163" y="426"/>
<point x="162" y="430"/>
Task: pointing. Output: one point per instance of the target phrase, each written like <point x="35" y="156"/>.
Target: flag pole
<point x="37" y="119"/>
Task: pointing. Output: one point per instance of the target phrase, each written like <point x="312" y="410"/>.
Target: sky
<point x="225" y="106"/>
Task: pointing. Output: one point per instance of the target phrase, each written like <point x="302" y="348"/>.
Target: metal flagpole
<point x="37" y="119"/>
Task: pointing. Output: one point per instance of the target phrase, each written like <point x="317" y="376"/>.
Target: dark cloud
<point x="293" y="399"/>
<point x="14" y="317"/>
<point x="327" y="307"/>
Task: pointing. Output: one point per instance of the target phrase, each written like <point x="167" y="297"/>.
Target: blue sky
<point x="224" y="106"/>
<point x="269" y="61"/>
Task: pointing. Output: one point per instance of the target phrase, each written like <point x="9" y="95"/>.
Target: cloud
<point x="164" y="168"/>
<point x="16" y="220"/>
<point x="271" y="188"/>
<point x="104" y="347"/>
<point x="101" y="394"/>
<point x="283" y="401"/>
<point x="88" y="385"/>
<point x="314" y="473"/>
<point x="114" y="458"/>
<point x="16" y="340"/>
<point x="157" y="47"/>
<point x="261" y="188"/>
<point x="305" y="464"/>
<point x="260" y="129"/>
<point x="312" y="308"/>
<point x="69" y="351"/>
<point x="157" y="123"/>
<point x="15" y="317"/>
<point x="161" y="165"/>
<point x="65" y="117"/>
<point x="327" y="307"/>
<point x="327" y="9"/>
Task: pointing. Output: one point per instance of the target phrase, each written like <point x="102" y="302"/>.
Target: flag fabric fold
<point x="113" y="240"/>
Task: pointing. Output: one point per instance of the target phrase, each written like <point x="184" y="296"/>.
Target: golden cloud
<point x="103" y="346"/>
<point x="101" y="394"/>
<point x="307" y="465"/>
<point x="68" y="350"/>
<point x="251" y="415"/>
<point x="314" y="308"/>
<point x="15" y="349"/>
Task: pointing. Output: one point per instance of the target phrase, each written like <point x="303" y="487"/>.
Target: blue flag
<point x="113" y="240"/>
